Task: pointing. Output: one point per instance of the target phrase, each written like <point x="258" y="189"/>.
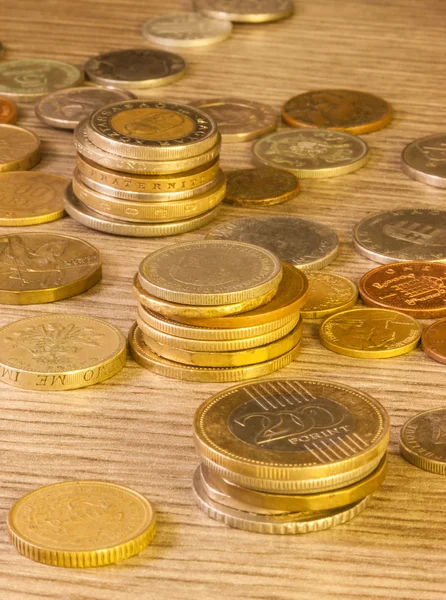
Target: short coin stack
<point x="289" y="456"/>
<point x="217" y="311"/>
<point x="146" y="168"/>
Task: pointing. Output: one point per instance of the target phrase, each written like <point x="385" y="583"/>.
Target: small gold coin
<point x="329" y="294"/>
<point x="19" y="149"/>
<point x="60" y="352"/>
<point x="9" y="111"/>
<point x="370" y="333"/>
<point x="264" y="186"/>
<point x="81" y="524"/>
<point x="423" y="440"/>
<point x="186" y="30"/>
<point x="248" y="11"/>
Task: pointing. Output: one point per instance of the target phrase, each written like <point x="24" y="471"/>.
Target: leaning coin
<point x="312" y="153"/>
<point x="329" y="294"/>
<point x="263" y="186"/>
<point x="186" y="30"/>
<point x="19" y="149"/>
<point x="425" y="160"/>
<point x="248" y="11"/>
<point x="423" y="440"/>
<point x="434" y="341"/>
<point x="8" y="111"/>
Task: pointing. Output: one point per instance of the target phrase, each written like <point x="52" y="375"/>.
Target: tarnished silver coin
<point x="186" y="30"/>
<point x="304" y="244"/>
<point x="425" y="160"/>
<point x="403" y="235"/>
<point x="248" y="11"/>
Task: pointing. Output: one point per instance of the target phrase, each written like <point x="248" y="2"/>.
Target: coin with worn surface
<point x="370" y="333"/>
<point x="19" y="149"/>
<point x="31" y="197"/>
<point x="264" y="186"/>
<point x="137" y="68"/>
<point x="305" y="244"/>
<point x="8" y="111"/>
<point x="248" y="11"/>
<point x="415" y="288"/>
<point x="329" y="293"/>
<point x="186" y="30"/>
<point x="45" y="267"/>
<point x="425" y="160"/>
<point x="312" y="154"/>
<point x="239" y="120"/>
<point x="434" y="341"/>
<point x="344" y="110"/>
<point x="60" y="352"/>
<point x="81" y="524"/>
<point x="31" y="78"/>
<point x="423" y="440"/>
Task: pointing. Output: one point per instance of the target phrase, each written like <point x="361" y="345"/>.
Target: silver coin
<point x="425" y="160"/>
<point x="403" y="235"/>
<point x="186" y="30"/>
<point x="248" y="11"/>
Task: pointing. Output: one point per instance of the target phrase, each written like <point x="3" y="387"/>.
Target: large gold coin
<point x="81" y="524"/>
<point x="423" y="440"/>
<point x="19" y="149"/>
<point x="329" y="294"/>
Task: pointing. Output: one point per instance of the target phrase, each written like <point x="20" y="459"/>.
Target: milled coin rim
<point x="422" y="462"/>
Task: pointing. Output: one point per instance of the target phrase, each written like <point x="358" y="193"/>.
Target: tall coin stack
<point x="217" y="310"/>
<point x="146" y="168"/>
<point x="289" y="456"/>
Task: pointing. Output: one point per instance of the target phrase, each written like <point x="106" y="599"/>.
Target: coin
<point x="312" y="154"/>
<point x="19" y="149"/>
<point x="248" y="11"/>
<point x="304" y="244"/>
<point x="81" y="524"/>
<point x="415" y="288"/>
<point x="329" y="294"/>
<point x="66" y="108"/>
<point x="423" y="440"/>
<point x="425" y="160"/>
<point x="8" y="111"/>
<point x="186" y="30"/>
<point x="29" y="198"/>
<point x="31" y="78"/>
<point x="344" y="110"/>
<point x="264" y="186"/>
<point x="370" y="333"/>
<point x="434" y="341"/>
<point x="137" y="68"/>
<point x="45" y="267"/>
<point x="239" y="120"/>
<point x="60" y="352"/>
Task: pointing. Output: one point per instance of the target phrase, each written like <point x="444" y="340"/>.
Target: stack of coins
<point x="146" y="168"/>
<point x="217" y="311"/>
<point x="289" y="456"/>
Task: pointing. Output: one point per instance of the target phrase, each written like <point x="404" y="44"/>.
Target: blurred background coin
<point x="8" y="111"/>
<point x="19" y="149"/>
<point x="248" y="11"/>
<point x="186" y="30"/>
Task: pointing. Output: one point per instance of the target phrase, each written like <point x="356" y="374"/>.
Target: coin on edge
<point x="248" y="11"/>
<point x="425" y="160"/>
<point x="19" y="149"/>
<point x="264" y="186"/>
<point x="81" y="524"/>
<point x="329" y="294"/>
<point x="186" y="30"/>
<point x="434" y="341"/>
<point x="9" y="111"/>
<point x="423" y="440"/>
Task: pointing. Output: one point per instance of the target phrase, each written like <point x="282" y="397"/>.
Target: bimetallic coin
<point x="81" y="524"/>
<point x="137" y="68"/>
<point x="344" y="110"/>
<point x="8" y="111"/>
<point x="425" y="160"/>
<point x="264" y="186"/>
<point x="329" y="294"/>
<point x="186" y="30"/>
<point x="312" y="153"/>
<point x="248" y="11"/>
<point x="19" y="149"/>
<point x="434" y="341"/>
<point x="239" y="120"/>
<point x="423" y="440"/>
<point x="304" y="244"/>
<point x="45" y="267"/>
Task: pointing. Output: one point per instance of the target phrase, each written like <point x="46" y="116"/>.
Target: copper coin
<point x="415" y="288"/>
<point x="263" y="186"/>
<point x="425" y="160"/>
<point x="434" y="341"/>
<point x="8" y="111"/>
<point x="344" y="110"/>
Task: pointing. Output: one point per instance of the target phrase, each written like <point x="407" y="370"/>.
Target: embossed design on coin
<point x="434" y="341"/>
<point x="329" y="294"/>
<point x="264" y="186"/>
<point x="8" y="111"/>
<point x="19" y="148"/>
<point x="248" y="11"/>
<point x="425" y="160"/>
<point x="186" y="30"/>
<point x="423" y="440"/>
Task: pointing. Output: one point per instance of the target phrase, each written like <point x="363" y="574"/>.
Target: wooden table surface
<point x="135" y="429"/>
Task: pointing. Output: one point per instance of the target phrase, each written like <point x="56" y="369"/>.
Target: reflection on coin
<point x="19" y="149"/>
<point x="344" y="110"/>
<point x="304" y="244"/>
<point x="264" y="186"/>
<point x="81" y="524"/>
<point x="239" y="120"/>
<point x="8" y="111"/>
<point x="248" y="11"/>
<point x="66" y="108"/>
<point x="425" y="160"/>
<point x="403" y="235"/>
<point x="186" y="30"/>
<point x="138" y="68"/>
<point x="423" y="440"/>
<point x="434" y="341"/>
<point x="30" y="78"/>
<point x="312" y="153"/>
<point x="329" y="294"/>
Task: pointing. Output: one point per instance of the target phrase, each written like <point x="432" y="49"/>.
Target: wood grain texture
<point x="135" y="429"/>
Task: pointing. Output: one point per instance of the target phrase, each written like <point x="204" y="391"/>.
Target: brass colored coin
<point x="186" y="30"/>
<point x="29" y="198"/>
<point x="423" y="440"/>
<point x="81" y="524"/>
<point x="248" y="11"/>
<point x="434" y="341"/>
<point x="425" y="160"/>
<point x="329" y="294"/>
<point x="210" y="272"/>
<point x="9" y="111"/>
<point x="239" y="120"/>
<point x="312" y="153"/>
<point x="343" y="110"/>
<point x="415" y="288"/>
<point x="149" y="360"/>
<point x="138" y="68"/>
<point x="264" y="186"/>
<point x="45" y="267"/>
<point x="19" y="149"/>
<point x="60" y="352"/>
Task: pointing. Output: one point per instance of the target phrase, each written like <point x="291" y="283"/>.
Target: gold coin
<point x="370" y="333"/>
<point x="264" y="186"/>
<point x="423" y="440"/>
<point x="19" y="149"/>
<point x="248" y="11"/>
<point x="45" y="267"/>
<point x="60" y="352"/>
<point x="9" y="111"/>
<point x="148" y="359"/>
<point x="81" y="524"/>
<point x="329" y="294"/>
<point x="29" y="198"/>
